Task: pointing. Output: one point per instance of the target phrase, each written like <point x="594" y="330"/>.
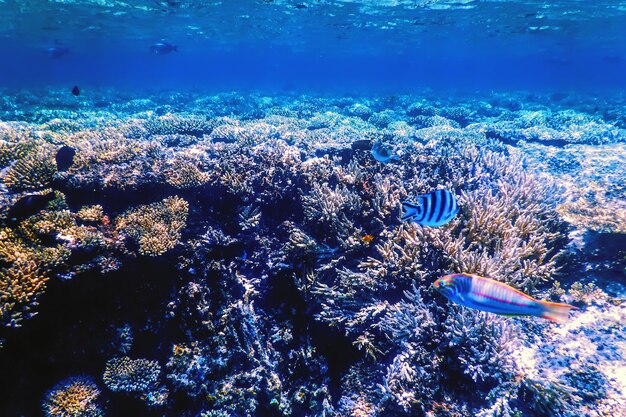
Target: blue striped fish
<point x="496" y="297"/>
<point x="433" y="209"/>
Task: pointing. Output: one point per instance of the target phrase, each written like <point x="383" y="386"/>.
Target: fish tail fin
<point x="409" y="210"/>
<point x="556" y="312"/>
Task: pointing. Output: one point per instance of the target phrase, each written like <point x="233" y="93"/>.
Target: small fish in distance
<point x="56" y="52"/>
<point x="489" y="295"/>
<point x="163" y="48"/>
<point x="65" y="158"/>
<point x="382" y="153"/>
<point x="433" y="209"/>
<point x="76" y="90"/>
<point x="367" y="239"/>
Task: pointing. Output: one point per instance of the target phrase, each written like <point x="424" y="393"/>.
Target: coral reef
<point x="296" y="289"/>
<point x="33" y="171"/>
<point x="73" y="397"/>
<point x="131" y="375"/>
<point x="156" y="227"/>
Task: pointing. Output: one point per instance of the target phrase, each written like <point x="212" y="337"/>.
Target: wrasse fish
<point x="496" y="297"/>
<point x="433" y="209"/>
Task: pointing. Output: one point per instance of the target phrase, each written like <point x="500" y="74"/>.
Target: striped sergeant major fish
<point x="496" y="297"/>
<point x="433" y="209"/>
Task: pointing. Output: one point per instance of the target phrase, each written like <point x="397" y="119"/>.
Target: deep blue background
<point x="321" y="46"/>
<point x="491" y="64"/>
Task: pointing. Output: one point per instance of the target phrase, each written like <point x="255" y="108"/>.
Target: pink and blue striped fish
<point x="496" y="297"/>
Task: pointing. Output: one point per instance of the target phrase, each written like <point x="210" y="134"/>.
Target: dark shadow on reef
<point x="75" y="333"/>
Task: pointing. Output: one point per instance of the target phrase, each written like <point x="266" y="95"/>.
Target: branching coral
<point x="20" y="286"/>
<point x="74" y="397"/>
<point x="91" y="214"/>
<point x="482" y="344"/>
<point x="131" y="375"/>
<point x="34" y="171"/>
<point x="107" y="160"/>
<point x="330" y="208"/>
<point x="182" y="171"/>
<point x="156" y="227"/>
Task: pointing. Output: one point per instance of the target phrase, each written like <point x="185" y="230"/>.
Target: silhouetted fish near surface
<point x="383" y="153"/>
<point x="57" y="51"/>
<point x="433" y="209"/>
<point x="489" y="295"/>
<point x="76" y="90"/>
<point x="65" y="158"/>
<point x="163" y="48"/>
<point x="29" y="205"/>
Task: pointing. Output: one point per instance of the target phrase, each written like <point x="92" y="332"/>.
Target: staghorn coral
<point x="20" y="286"/>
<point x="235" y="366"/>
<point x="330" y="208"/>
<point x="182" y="171"/>
<point x="587" y="294"/>
<point x="131" y="375"/>
<point x="156" y="227"/>
<point x="73" y="397"/>
<point x="14" y="146"/>
<point x="482" y="344"/>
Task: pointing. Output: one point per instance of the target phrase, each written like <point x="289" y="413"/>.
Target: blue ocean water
<point x="327" y="46"/>
<point x="203" y="208"/>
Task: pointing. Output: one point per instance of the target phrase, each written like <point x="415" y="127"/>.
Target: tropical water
<point x="312" y="208"/>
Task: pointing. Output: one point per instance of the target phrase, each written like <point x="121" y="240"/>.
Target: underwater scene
<point x="312" y="208"/>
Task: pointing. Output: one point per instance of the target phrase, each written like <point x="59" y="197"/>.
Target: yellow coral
<point x="90" y="213"/>
<point x="183" y="172"/>
<point x="36" y="170"/>
<point x="20" y="284"/>
<point x="76" y="397"/>
<point x="155" y="227"/>
<point x="10" y="152"/>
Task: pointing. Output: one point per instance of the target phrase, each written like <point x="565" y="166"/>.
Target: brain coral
<point x="74" y="397"/>
<point x="155" y="227"/>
